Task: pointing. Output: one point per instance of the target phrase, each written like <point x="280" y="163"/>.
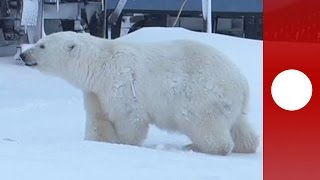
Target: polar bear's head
<point x="62" y="54"/>
<point x="54" y="53"/>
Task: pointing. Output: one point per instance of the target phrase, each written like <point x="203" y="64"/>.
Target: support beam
<point x="35" y="32"/>
<point x="114" y="16"/>
<point x="206" y="13"/>
<point x="209" y="18"/>
<point x="104" y="19"/>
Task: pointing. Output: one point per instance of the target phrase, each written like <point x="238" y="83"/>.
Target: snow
<point x="42" y="127"/>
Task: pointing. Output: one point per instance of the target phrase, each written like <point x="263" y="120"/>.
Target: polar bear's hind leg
<point x="213" y="138"/>
<point x="245" y="139"/>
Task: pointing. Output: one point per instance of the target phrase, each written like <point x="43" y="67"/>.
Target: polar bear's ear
<point x="84" y="34"/>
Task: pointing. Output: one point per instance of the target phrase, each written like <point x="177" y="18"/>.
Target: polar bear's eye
<point x="71" y="47"/>
<point x="41" y="46"/>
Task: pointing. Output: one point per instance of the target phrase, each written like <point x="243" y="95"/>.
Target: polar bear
<point x="181" y="86"/>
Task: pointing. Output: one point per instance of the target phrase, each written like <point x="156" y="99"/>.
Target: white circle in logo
<point x="291" y="90"/>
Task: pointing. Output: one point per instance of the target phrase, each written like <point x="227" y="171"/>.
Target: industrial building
<point x="113" y="18"/>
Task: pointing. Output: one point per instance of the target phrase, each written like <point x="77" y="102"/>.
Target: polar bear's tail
<point x="244" y="137"/>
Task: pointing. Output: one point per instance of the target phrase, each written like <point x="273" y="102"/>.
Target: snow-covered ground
<point x="42" y="127"/>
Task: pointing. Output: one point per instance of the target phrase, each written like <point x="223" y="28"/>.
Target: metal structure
<point x="106" y="18"/>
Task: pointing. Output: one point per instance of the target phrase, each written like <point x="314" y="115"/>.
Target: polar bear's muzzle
<point x="27" y="61"/>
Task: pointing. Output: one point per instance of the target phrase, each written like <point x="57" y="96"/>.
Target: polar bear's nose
<point x="23" y="57"/>
<point x="27" y="61"/>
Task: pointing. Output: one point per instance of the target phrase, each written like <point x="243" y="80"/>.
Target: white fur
<point x="182" y="86"/>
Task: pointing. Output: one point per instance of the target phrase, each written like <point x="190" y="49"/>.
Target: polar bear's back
<point x="184" y="76"/>
<point x="192" y="61"/>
